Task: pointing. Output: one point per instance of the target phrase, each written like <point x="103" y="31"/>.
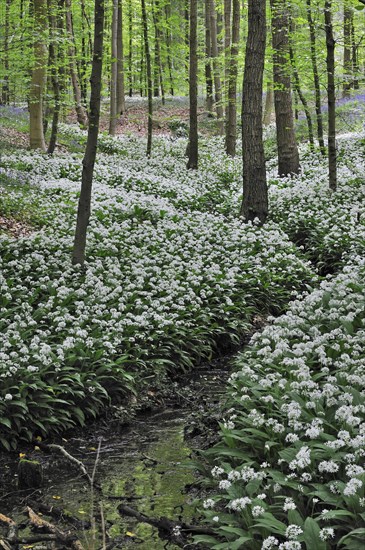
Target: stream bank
<point x="143" y="465"/>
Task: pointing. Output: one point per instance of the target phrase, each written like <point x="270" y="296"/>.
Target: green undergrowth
<point x="288" y="471"/>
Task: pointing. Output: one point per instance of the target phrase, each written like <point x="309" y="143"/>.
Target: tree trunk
<point x="114" y="71"/>
<point x="53" y="61"/>
<point x="130" y="52"/>
<point x="330" y="61"/>
<point x="298" y="88"/>
<point x="84" y="56"/>
<point x="214" y="52"/>
<point x="208" y="66"/>
<point x="168" y="45"/>
<point x="317" y="88"/>
<point x="158" y="72"/>
<point x="120" y="63"/>
<point x="5" y="88"/>
<point x="80" y="111"/>
<point x="149" y="77"/>
<point x="83" y="213"/>
<point x="38" y="81"/>
<point x="269" y="103"/>
<point x="231" y="127"/>
<point x="255" y="199"/>
<point x="227" y="39"/>
<point x="288" y="156"/>
<point x="347" y="49"/>
<point x="193" y="88"/>
<point x="355" y="61"/>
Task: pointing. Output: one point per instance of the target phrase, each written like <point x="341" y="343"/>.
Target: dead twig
<point x="66" y="537"/>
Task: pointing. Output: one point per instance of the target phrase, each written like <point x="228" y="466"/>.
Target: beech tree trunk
<point x="168" y="45"/>
<point x="347" y="49"/>
<point x="120" y="63"/>
<point x="231" y="125"/>
<point x="269" y="103"/>
<point x="193" y="87"/>
<point x="298" y="89"/>
<point x="38" y="81"/>
<point x="80" y="110"/>
<point x="255" y="199"/>
<point x="53" y="62"/>
<point x="331" y="95"/>
<point x="114" y="71"/>
<point x="214" y="53"/>
<point x="130" y="52"/>
<point x="208" y="66"/>
<point x="227" y="39"/>
<point x="317" y="88"/>
<point x="83" y="213"/>
<point x="149" y="77"/>
<point x="288" y="156"/>
<point x="5" y="87"/>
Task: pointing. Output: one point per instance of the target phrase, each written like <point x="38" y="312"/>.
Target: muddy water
<point x="144" y="466"/>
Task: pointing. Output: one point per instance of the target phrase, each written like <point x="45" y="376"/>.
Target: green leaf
<point x="5" y="422"/>
<point x="311" y="535"/>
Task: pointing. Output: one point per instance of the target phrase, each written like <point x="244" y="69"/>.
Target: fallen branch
<point x="58" y="449"/>
<point x="12" y="528"/>
<point x="64" y="536"/>
<point x="165" y="526"/>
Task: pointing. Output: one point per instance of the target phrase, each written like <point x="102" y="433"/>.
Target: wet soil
<point x="144" y="465"/>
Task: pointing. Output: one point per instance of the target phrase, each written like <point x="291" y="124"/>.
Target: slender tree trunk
<point x="231" y="127"/>
<point x="168" y="45"/>
<point x="255" y="199"/>
<point x="214" y="52"/>
<point x="120" y="63"/>
<point x="149" y="77"/>
<point x="38" y="81"/>
<point x="114" y="71"/>
<point x="84" y="208"/>
<point x="193" y="88"/>
<point x="347" y="49"/>
<point x="5" y="88"/>
<point x="227" y="39"/>
<point x="208" y="66"/>
<point x="288" y="155"/>
<point x="158" y="75"/>
<point x="355" y="61"/>
<point x="53" y="61"/>
<point x="130" y="52"/>
<point x="269" y="103"/>
<point x="80" y="111"/>
<point x="186" y="17"/>
<point x="313" y="50"/>
<point x="84" y="58"/>
<point x="298" y="88"/>
<point x="330" y="61"/>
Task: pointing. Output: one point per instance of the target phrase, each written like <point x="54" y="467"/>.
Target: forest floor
<point x="173" y="279"/>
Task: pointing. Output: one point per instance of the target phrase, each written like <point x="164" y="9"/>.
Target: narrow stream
<point x="144" y="466"/>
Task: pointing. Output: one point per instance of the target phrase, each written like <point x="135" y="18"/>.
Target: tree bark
<point x="347" y="49"/>
<point x="298" y="89"/>
<point x="227" y="39"/>
<point x="168" y="45"/>
<point x="5" y="87"/>
<point x="193" y="87"/>
<point x="231" y="124"/>
<point x="83" y="213"/>
<point x="214" y="52"/>
<point x="269" y="103"/>
<point x="208" y="66"/>
<point x="149" y="77"/>
<point x="288" y="156"/>
<point x="331" y="95"/>
<point x="80" y="111"/>
<point x="130" y="52"/>
<point x="120" y="63"/>
<point x="38" y="81"/>
<point x="317" y="88"/>
<point x="114" y="71"/>
<point x="255" y="199"/>
<point x="53" y="61"/>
